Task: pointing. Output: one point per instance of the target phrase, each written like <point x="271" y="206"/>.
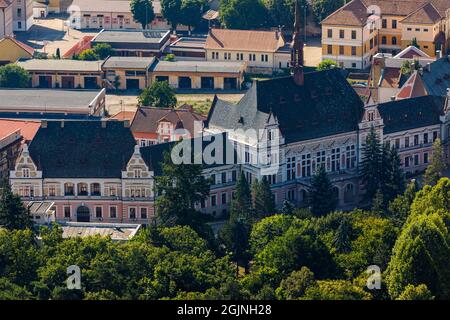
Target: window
<point x="26" y="173"/>
<point x="306" y="165"/>
<point x="290" y="168"/>
<point x="394" y="24"/>
<point x="143" y="213"/>
<point x="371" y="43"/>
<point x="215" y="55"/>
<point x="394" y="40"/>
<point x="224" y="177"/>
<point x="435" y="135"/>
<point x="353" y="51"/>
<point x="239" y="56"/>
<point x="132" y="213"/>
<point x="407" y="142"/>
<point x="384" y="23"/>
<point x="425" y="138"/>
<point x="290" y="195"/>
<point x="68" y="189"/>
<point x="371" y="116"/>
<point x="353" y="65"/>
<point x="320" y="159"/>
<point x="51" y="191"/>
<point x="252" y="57"/>
<point x="342" y="34"/>
<point x="407" y="162"/>
<point x="272" y="179"/>
<point x="213" y="200"/>
<point x="353" y="34"/>
<point x="137" y="173"/>
<point x="409" y="29"/>
<point x="67" y="212"/>
<point x="227" y="56"/>
<point x="397" y="143"/>
<point x="350" y="156"/>
<point x="224" y="198"/>
<point x="82" y="189"/>
<point x="417" y="29"/>
<point x="98" y="212"/>
<point x="95" y="189"/>
<point x="233" y="175"/>
<point x="329" y="49"/>
<point x="335" y="159"/>
<point x="264" y="58"/>
<point x="341" y="50"/>
<point x="425" y="157"/>
<point x="416" y="159"/>
<point x="113" y="212"/>
<point x="425" y="30"/>
<point x="383" y="40"/>
<point x="330" y="33"/>
<point x="416" y="139"/>
<point x="19" y="13"/>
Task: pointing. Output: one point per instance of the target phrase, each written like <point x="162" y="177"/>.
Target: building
<point x="205" y="75"/>
<point x="91" y="170"/>
<point x="127" y="73"/>
<point x="387" y="74"/>
<point x="42" y="212"/>
<point x="115" y="231"/>
<point x="12" y="50"/>
<point x="263" y="51"/>
<point x="136" y="43"/>
<point x="40" y="10"/>
<point x="152" y="125"/>
<point x="355" y="32"/>
<point x="13" y="133"/>
<point x="79" y="47"/>
<point x="23" y="17"/>
<point x="63" y="73"/>
<point x="6" y="18"/>
<point x="43" y="101"/>
<point x="110" y="14"/>
<point x="189" y="48"/>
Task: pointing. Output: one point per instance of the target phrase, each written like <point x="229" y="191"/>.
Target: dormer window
<point x="26" y="172"/>
<point x="270" y="135"/>
<point x="137" y="173"/>
<point x="371" y="116"/>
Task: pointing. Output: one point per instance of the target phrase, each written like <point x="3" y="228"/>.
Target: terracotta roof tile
<point x="27" y="129"/>
<point x="426" y="14"/>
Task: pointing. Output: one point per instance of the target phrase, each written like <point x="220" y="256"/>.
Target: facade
<point x="13" y="133"/>
<point x="135" y="43"/>
<point x="40" y="10"/>
<point x="63" y="73"/>
<point x="12" y="50"/>
<point x="96" y="175"/>
<point x="127" y="73"/>
<point x="152" y="125"/>
<point x="47" y="101"/>
<point x="355" y="32"/>
<point x="6" y="18"/>
<point x="23" y="17"/>
<point x="263" y="51"/>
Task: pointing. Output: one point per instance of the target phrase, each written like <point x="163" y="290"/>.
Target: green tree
<point x="414" y="43"/>
<point x="243" y="14"/>
<point x="142" y="11"/>
<point x="241" y="204"/>
<point x="288" y="208"/>
<point x="264" y="202"/>
<point x="394" y="178"/>
<point x="14" y="76"/>
<point x="191" y="12"/>
<point x="322" y="198"/>
<point x="419" y="292"/>
<point x="379" y="203"/>
<point x="58" y="53"/>
<point x="335" y="290"/>
<point x="437" y="166"/>
<point x="400" y="207"/>
<point x="327" y="64"/>
<point x="103" y="50"/>
<point x="13" y="213"/>
<point x="11" y="291"/>
<point x="323" y="8"/>
<point x="371" y="166"/>
<point x="179" y="188"/>
<point x="281" y="12"/>
<point x="159" y="95"/>
<point x="295" y="285"/>
<point x="343" y="237"/>
<point x="171" y="10"/>
<point x="88" y="55"/>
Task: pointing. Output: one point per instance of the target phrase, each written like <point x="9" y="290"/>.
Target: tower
<point x="297" y="49"/>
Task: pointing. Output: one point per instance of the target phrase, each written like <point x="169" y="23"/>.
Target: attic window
<point x="241" y="120"/>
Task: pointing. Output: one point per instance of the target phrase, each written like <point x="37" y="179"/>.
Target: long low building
<point x="85" y="102"/>
<point x="64" y="73"/>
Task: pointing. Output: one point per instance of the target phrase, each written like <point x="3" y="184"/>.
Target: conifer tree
<point x="323" y="199"/>
<point x="371" y="164"/>
<point x="437" y="166"/>
<point x="241" y="204"/>
<point x="394" y="179"/>
<point x="264" y="203"/>
<point x="13" y="213"/>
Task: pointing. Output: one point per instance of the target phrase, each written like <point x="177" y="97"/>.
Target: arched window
<point x="95" y="189"/>
<point x="383" y="40"/>
<point x="82" y="189"/>
<point x="349" y="193"/>
<point x="68" y="189"/>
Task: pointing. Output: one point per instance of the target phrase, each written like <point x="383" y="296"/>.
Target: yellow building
<point x="12" y="50"/>
<point x="354" y="33"/>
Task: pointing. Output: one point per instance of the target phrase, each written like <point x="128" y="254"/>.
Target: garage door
<point x="207" y="83"/>
<point x="132" y="84"/>
<point x="230" y="83"/>
<point x="67" y="82"/>
<point x="90" y="83"/>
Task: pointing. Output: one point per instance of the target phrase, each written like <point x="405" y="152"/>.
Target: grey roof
<point x="131" y="36"/>
<point x="48" y="99"/>
<point x="190" y="42"/>
<point x="199" y="66"/>
<point x="109" y="6"/>
<point x="438" y="80"/>
<point x="128" y="62"/>
<point x="60" y="65"/>
<point x="116" y="231"/>
<point x="324" y="105"/>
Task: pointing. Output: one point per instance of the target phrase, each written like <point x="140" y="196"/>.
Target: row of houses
<point x="354" y="33"/>
<point x="283" y="128"/>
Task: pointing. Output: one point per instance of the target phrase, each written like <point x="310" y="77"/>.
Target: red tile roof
<point x="80" y="46"/>
<point x="27" y="129"/>
<point x="427" y="14"/>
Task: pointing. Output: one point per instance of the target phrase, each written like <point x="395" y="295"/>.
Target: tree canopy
<point x="14" y="76"/>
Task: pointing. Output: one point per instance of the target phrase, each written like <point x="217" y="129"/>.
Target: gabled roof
<point x="21" y="45"/>
<point x="147" y="119"/>
<point x="413" y="87"/>
<point x="114" y="62"/>
<point x="82" y="149"/>
<point x="391" y="78"/>
<point x="411" y="113"/>
<point x="325" y="105"/>
<point x="244" y="40"/>
<point x="411" y="52"/>
<point x="437" y="79"/>
<point x="353" y="13"/>
<point x="426" y="14"/>
<point x="27" y="129"/>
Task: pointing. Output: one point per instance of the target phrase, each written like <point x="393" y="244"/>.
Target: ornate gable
<point x="25" y="166"/>
<point x="136" y="167"/>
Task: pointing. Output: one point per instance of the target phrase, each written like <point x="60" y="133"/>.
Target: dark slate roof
<point x="437" y="80"/>
<point x="47" y="116"/>
<point x="325" y="105"/>
<point x="82" y="149"/>
<point x="411" y="113"/>
<point x="154" y="155"/>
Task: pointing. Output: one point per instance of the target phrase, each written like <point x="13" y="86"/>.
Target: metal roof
<point x="117" y="231"/>
<point x="129" y="62"/>
<point x="60" y="65"/>
<point x="199" y="66"/>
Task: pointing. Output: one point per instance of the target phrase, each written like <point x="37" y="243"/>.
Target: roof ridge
<point x="342" y="8"/>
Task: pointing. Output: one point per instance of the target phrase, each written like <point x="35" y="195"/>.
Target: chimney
<point x="428" y="67"/>
<point x="392" y="98"/>
<point x="44" y="124"/>
<point x="438" y="54"/>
